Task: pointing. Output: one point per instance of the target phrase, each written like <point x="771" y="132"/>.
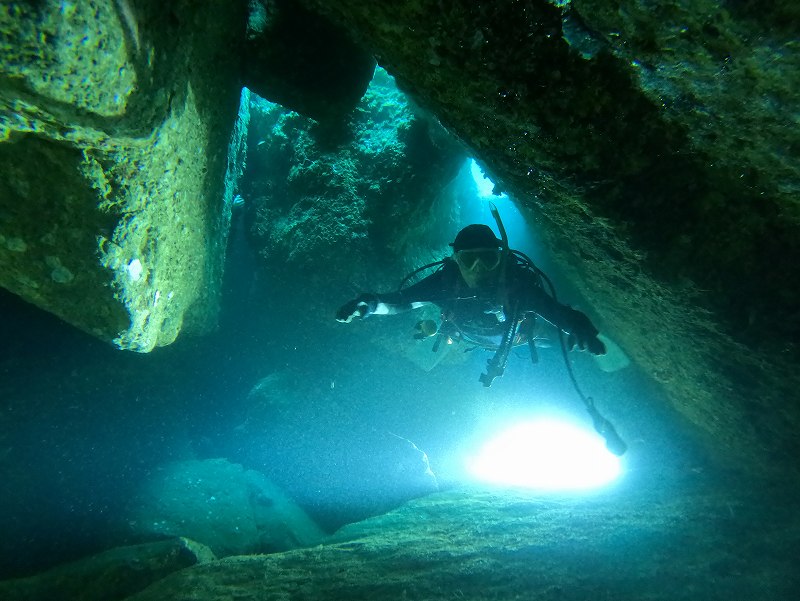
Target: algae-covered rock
<point x="507" y="545"/>
<point x="652" y="144"/>
<point x="220" y="504"/>
<point x="115" y="118"/>
<point x="113" y="574"/>
<point x="334" y="206"/>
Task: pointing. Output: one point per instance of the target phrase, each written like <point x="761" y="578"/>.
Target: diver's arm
<point x="420" y="294"/>
<point x="369" y="303"/>
<point x="582" y="332"/>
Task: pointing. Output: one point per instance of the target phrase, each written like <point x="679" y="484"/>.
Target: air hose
<point x="602" y="426"/>
<point x="496" y="366"/>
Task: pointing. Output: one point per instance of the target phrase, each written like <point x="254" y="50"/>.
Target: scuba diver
<point x="490" y="296"/>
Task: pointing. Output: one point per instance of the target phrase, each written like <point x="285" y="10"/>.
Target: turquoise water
<point x="86" y="426"/>
<point x="282" y="428"/>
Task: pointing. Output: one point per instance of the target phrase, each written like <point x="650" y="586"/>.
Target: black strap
<point x="497" y="364"/>
<point x="419" y="269"/>
<point x="602" y="426"/>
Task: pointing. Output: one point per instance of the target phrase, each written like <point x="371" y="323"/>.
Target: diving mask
<point x="479" y="259"/>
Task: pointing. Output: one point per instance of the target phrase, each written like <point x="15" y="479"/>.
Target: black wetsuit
<point x="480" y="315"/>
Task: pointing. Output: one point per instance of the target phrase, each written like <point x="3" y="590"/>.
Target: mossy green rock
<point x="654" y="145"/>
<point x="335" y="203"/>
<point x="115" y="119"/>
<point x="475" y="545"/>
<point x="113" y="574"/>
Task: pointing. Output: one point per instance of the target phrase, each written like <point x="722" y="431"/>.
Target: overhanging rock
<point x="650" y="145"/>
<point x="115" y="120"/>
<point x="303" y="62"/>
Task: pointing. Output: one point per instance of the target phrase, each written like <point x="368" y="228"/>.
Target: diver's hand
<point x="582" y="333"/>
<point x="359" y="308"/>
<point x="594" y="345"/>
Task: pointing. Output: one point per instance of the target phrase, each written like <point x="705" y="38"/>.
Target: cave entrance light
<point x="546" y="454"/>
<point x="484" y="186"/>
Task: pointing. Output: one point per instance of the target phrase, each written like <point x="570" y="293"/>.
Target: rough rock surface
<point x="113" y="574"/>
<point x="654" y="148"/>
<point x="480" y="545"/>
<point x="115" y="118"/>
<point x="335" y="207"/>
<point x="303" y="62"/>
<point x="231" y="510"/>
<point x="284" y="415"/>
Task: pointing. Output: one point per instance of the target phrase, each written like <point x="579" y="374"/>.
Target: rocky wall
<point x="345" y="206"/>
<point x="654" y="146"/>
<point x="115" y="117"/>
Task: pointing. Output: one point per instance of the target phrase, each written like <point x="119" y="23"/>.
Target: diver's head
<point x="478" y="254"/>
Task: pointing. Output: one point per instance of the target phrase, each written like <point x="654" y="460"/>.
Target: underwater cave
<point x="189" y="197"/>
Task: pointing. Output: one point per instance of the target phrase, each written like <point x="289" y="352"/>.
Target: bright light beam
<point x="484" y="186"/>
<point x="546" y="454"/>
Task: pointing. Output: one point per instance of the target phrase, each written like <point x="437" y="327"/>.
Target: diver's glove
<point x="359" y="307"/>
<point x="582" y="333"/>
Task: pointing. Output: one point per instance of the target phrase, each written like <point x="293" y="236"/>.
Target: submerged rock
<point x="351" y="467"/>
<point x="304" y="62"/>
<point x="115" y="118"/>
<point x="494" y="545"/>
<point x="650" y="145"/>
<point x="333" y="206"/>
<point x="222" y="505"/>
<point x="113" y="574"/>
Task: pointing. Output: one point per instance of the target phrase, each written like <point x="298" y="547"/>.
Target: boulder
<point x="352" y="464"/>
<point x="115" y="120"/>
<point x="304" y="62"/>
<point x="221" y="505"/>
<point x="110" y="575"/>
<point x="476" y="545"/>
<point x="338" y="210"/>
